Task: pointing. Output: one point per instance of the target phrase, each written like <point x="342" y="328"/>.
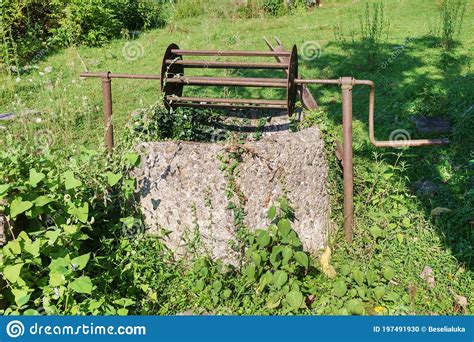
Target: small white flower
<point x="41" y="73"/>
<point x="18" y="80"/>
<point x="38" y="120"/>
<point x="48" y="69"/>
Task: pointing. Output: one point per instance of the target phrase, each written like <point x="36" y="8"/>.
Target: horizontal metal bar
<point x="226" y="106"/>
<point x="128" y="76"/>
<point x="231" y="82"/>
<point x="230" y="53"/>
<point x="221" y="100"/>
<point x="229" y="65"/>
<point x="317" y="81"/>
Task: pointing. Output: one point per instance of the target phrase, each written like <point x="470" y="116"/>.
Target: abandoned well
<point x="184" y="190"/>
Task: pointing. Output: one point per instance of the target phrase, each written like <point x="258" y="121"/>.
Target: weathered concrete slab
<point x="184" y="191"/>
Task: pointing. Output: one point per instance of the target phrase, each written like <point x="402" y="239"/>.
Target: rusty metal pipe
<point x="180" y="52"/>
<point x="107" y="100"/>
<point x="222" y="100"/>
<point x="226" y="65"/>
<point x="127" y="76"/>
<point x="230" y="82"/>
<point x="395" y="144"/>
<point x="227" y="106"/>
<point x="348" y="167"/>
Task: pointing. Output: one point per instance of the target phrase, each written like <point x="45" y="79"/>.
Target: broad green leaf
<point x="265" y="279"/>
<point x="286" y="253"/>
<point x="302" y="259"/>
<point x="21" y="296"/>
<point x="36" y="177"/>
<point x="52" y="236"/>
<point x="132" y="159"/>
<point x="345" y="270"/>
<point x="263" y="238"/>
<point x="81" y="213"/>
<point x="371" y="277"/>
<point x="379" y="291"/>
<point x="4" y="188"/>
<point x="41" y="201"/>
<point x="200" y="284"/>
<point x="217" y="286"/>
<point x="12" y="272"/>
<point x="31" y="312"/>
<point x="122" y="312"/>
<point x="294" y="299"/>
<point x="284" y="227"/>
<point x="272" y="212"/>
<point x="59" y="265"/>
<point x="274" y="300"/>
<point x="257" y="258"/>
<point x="56" y="279"/>
<point x="355" y="307"/>
<point x="280" y="278"/>
<point x="358" y="276"/>
<point x="388" y="273"/>
<point x="33" y="248"/>
<point x="113" y="178"/>
<point x="376" y="232"/>
<point x="13" y="247"/>
<point x="70" y="181"/>
<point x="80" y="262"/>
<point x="339" y="288"/>
<point x="81" y="285"/>
<point x="406" y="222"/>
<point x="250" y="272"/>
<point x="18" y="206"/>
<point x="400" y="237"/>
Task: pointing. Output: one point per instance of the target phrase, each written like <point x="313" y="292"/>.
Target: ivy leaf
<point x="81" y="213"/>
<point x="36" y="177"/>
<point x="339" y="288"/>
<point x="113" y="178"/>
<point x="302" y="259"/>
<point x="280" y="278"/>
<point x="263" y="238"/>
<point x="284" y="227"/>
<point x="19" y="206"/>
<point x="81" y="261"/>
<point x="294" y="299"/>
<point x="82" y="285"/>
<point x="70" y="181"/>
<point x="388" y="273"/>
<point x="12" y="272"/>
<point x="358" y="276"/>
<point x="33" y="248"/>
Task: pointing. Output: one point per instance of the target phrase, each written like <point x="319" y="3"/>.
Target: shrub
<point x="31" y="26"/>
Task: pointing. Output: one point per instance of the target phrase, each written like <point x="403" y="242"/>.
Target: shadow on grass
<point x="417" y="79"/>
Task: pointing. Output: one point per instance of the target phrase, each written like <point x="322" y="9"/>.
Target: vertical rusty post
<point x="107" y="99"/>
<point x="348" y="169"/>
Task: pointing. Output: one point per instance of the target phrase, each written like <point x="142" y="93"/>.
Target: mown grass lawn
<point x="397" y="227"/>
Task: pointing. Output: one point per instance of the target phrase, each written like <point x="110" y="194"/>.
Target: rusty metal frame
<point x="173" y="65"/>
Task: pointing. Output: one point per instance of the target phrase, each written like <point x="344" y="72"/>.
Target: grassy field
<point x="397" y="223"/>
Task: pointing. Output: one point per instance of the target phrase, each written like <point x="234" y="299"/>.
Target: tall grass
<point x="451" y="17"/>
